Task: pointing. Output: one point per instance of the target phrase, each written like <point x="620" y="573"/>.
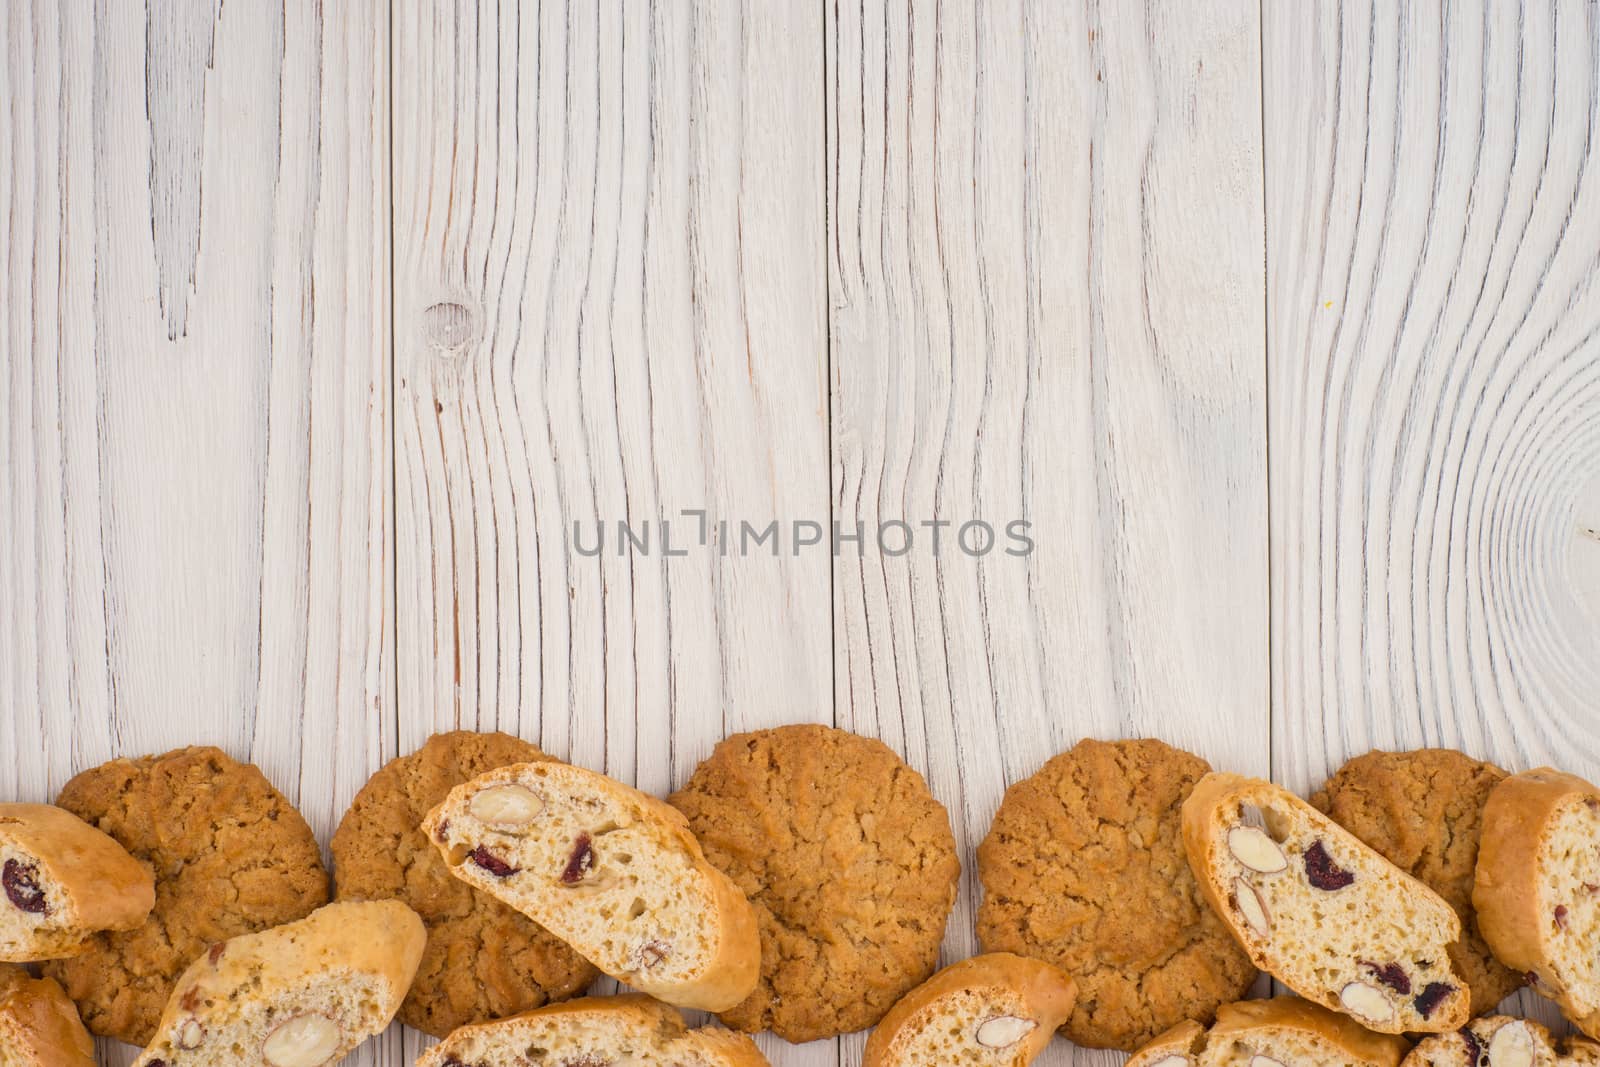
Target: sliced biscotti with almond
<point x="1321" y="911"/>
<point x="996" y="1009"/>
<point x="1281" y="1032"/>
<point x="39" y="1026"/>
<point x="299" y="995"/>
<point x="612" y="872"/>
<point x="1501" y="1041"/>
<point x="624" y="1031"/>
<point x="64" y="882"/>
<point x="1537" y="890"/>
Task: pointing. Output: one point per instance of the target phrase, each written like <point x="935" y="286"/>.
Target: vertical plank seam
<point x="1266" y="375"/>
<point x="391" y="523"/>
<point x="827" y="192"/>
<point x="1274" y="987"/>
<point x="827" y="381"/>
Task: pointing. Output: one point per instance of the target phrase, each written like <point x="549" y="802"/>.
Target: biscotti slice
<point x="1537" y="890"/>
<point x="612" y="872"/>
<point x="64" y="882"/>
<point x="997" y="1009"/>
<point x="594" y="1032"/>
<point x="1422" y="811"/>
<point x="1501" y="1041"/>
<point x="39" y="1027"/>
<point x="1282" y="1032"/>
<point x="298" y="995"/>
<point x="1322" y="912"/>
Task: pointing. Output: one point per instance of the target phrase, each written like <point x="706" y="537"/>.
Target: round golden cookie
<point x="483" y="960"/>
<point x="230" y="856"/>
<point x="1084" y="868"/>
<point x="849" y="861"/>
<point x="1423" y="812"/>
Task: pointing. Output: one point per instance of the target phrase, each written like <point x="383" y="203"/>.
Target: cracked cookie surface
<point x="483" y="960"/>
<point x="1084" y="868"/>
<point x="230" y="856"/>
<point x="1423" y="812"/>
<point x="849" y="861"/>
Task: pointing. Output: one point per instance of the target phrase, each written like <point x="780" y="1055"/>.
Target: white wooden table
<point x="326" y="325"/>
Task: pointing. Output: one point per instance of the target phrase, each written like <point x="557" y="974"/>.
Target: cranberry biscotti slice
<point x="595" y="1032"/>
<point x="612" y="872"/>
<point x="1321" y="911"/>
<point x="1501" y="1041"/>
<point x="64" y="882"/>
<point x="39" y="1026"/>
<point x="1279" y="1032"/>
<point x="1537" y="887"/>
<point x="998" y="1010"/>
<point x="298" y="995"/>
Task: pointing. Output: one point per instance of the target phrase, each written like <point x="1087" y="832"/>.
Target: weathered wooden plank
<point x="1046" y="305"/>
<point x="1432" y="217"/>
<point x="194" y="455"/>
<point x="1432" y="221"/>
<point x="609" y="306"/>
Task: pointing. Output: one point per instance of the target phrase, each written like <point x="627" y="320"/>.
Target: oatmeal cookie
<point x="483" y="959"/>
<point x="230" y="856"/>
<point x="1084" y="868"/>
<point x="849" y="861"/>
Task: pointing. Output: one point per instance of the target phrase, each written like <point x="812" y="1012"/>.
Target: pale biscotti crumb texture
<point x="230" y="856"/>
<point x="995" y="1010"/>
<point x="484" y="960"/>
<point x="1320" y="910"/>
<point x="1281" y="1032"/>
<point x="1501" y="1041"/>
<point x="612" y="872"/>
<point x="300" y="995"/>
<point x="594" y="1032"/>
<point x="851" y="865"/>
<point x="1538" y="887"/>
<point x="64" y="880"/>
<point x="39" y="1027"/>
<point x="1423" y="811"/>
<point x="1084" y="868"/>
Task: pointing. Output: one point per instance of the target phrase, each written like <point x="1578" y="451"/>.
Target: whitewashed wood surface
<point x="324" y="324"/>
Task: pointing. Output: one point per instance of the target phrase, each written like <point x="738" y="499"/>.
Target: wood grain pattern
<point x="1277" y="319"/>
<point x="609" y="306"/>
<point x="1433" y="214"/>
<point x="194" y="423"/>
<point x="1046" y="304"/>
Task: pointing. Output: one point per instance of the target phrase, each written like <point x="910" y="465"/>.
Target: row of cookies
<point x="1297" y="893"/>
<point x="196" y="849"/>
<point x="819" y="828"/>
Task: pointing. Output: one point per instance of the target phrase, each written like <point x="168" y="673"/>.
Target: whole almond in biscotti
<point x="1538" y="887"/>
<point x="997" y="1009"/>
<point x="849" y="860"/>
<point x="64" y="881"/>
<point x="1281" y="1032"/>
<point x="612" y="872"/>
<point x="484" y="959"/>
<point x="1321" y="911"/>
<point x="230" y="856"/>
<point x="625" y="1031"/>
<point x="39" y="1027"/>
<point x="299" y="995"/>
<point x="1423" y="812"/>
<point x="1084" y="868"/>
<point x="1501" y="1041"/>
